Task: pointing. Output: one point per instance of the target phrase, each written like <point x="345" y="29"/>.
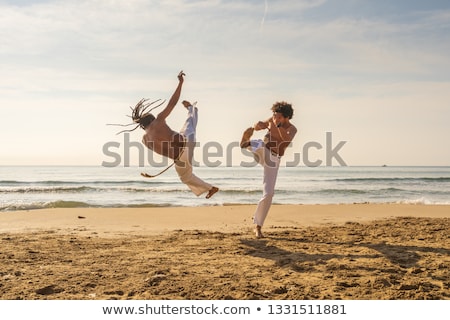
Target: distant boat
<point x="384" y="165"/>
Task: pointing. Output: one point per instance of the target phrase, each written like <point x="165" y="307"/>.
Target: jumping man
<point x="178" y="146"/>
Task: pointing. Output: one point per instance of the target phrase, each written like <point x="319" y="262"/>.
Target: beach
<point x="329" y="251"/>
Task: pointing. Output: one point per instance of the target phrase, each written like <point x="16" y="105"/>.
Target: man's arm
<point x="261" y="125"/>
<point x="174" y="99"/>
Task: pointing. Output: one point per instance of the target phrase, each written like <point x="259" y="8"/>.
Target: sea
<point x="36" y="187"/>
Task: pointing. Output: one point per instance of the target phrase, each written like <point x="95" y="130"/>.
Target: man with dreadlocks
<point x="178" y="146"/>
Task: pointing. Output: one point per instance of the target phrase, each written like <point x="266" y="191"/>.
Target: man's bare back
<point x="161" y="139"/>
<point x="158" y="136"/>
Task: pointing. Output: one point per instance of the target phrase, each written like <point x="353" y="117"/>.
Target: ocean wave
<point x="37" y="189"/>
<point x="343" y="191"/>
<point x="80" y="204"/>
<point x="76" y="204"/>
<point x="401" y="179"/>
<point x="91" y="189"/>
<point x="80" y="182"/>
<point x="58" y="187"/>
<point x="44" y="205"/>
<point x="339" y="191"/>
<point x="423" y="201"/>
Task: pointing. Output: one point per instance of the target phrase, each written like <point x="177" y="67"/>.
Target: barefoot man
<point x="178" y="146"/>
<point x="268" y="154"/>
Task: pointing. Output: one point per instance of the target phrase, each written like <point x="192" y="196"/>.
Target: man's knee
<point x="245" y="144"/>
<point x="268" y="195"/>
<point x="185" y="176"/>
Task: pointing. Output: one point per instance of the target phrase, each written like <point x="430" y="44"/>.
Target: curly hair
<point x="284" y="108"/>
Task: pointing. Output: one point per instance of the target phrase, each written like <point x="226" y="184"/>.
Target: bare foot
<point x="211" y="192"/>
<point x="258" y="232"/>
<point x="245" y="141"/>
<point x="186" y="104"/>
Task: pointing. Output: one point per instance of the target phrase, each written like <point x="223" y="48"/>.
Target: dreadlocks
<point x="140" y="117"/>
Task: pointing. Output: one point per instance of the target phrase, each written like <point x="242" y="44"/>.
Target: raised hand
<point x="181" y="75"/>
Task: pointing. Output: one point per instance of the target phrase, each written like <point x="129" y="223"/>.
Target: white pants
<point x="183" y="165"/>
<point x="270" y="164"/>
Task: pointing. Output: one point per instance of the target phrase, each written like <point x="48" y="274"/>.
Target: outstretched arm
<point x="174" y="99"/>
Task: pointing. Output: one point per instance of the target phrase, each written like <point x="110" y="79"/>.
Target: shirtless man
<point x="178" y="146"/>
<point x="268" y="153"/>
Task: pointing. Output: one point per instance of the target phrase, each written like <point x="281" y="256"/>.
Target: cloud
<point x="94" y="58"/>
<point x="266" y="8"/>
<point x="129" y="39"/>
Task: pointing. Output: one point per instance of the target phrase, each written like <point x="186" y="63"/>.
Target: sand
<point x="358" y="251"/>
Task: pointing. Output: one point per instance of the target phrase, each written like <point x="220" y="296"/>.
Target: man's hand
<point x="181" y="75"/>
<point x="260" y="125"/>
<point x="272" y="123"/>
<point x="174" y="99"/>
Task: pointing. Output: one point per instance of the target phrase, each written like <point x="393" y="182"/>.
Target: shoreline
<point x="230" y="218"/>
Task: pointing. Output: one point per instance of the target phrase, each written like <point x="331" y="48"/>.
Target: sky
<point x="369" y="81"/>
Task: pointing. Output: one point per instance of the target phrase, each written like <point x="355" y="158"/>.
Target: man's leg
<point x="271" y="165"/>
<point x="245" y="141"/>
<point x="190" y="125"/>
<point x="183" y="166"/>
